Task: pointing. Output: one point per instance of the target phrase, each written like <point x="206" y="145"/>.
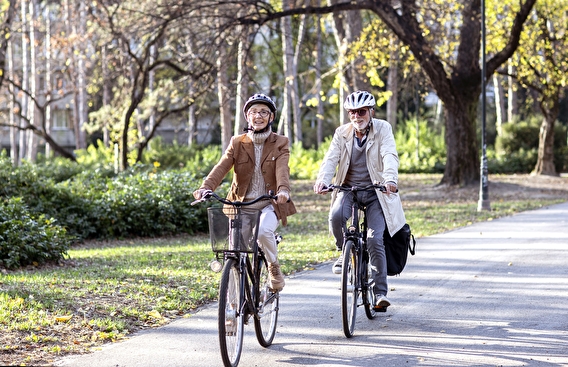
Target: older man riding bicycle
<point x="364" y="152"/>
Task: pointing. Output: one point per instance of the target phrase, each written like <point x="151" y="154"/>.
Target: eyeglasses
<point x="263" y="113"/>
<point x="362" y="112"/>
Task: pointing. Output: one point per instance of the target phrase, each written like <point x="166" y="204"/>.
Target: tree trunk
<point x="392" y="84"/>
<point x="14" y="132"/>
<point x="5" y="36"/>
<point x="242" y="81"/>
<point x="287" y="117"/>
<point x="25" y="76"/>
<point x="151" y="78"/>
<point x="223" y="95"/>
<point x="319" y="115"/>
<point x="191" y="111"/>
<point x="106" y="94"/>
<point x="512" y="105"/>
<point x="341" y="42"/>
<point x="191" y="125"/>
<point x="82" y="84"/>
<point x="462" y="162"/>
<point x="439" y="112"/>
<point x="75" y="108"/>
<point x="353" y="27"/>
<point x="295" y="97"/>
<point x="48" y="78"/>
<point x="500" y="108"/>
<point x="31" y="152"/>
<point x="545" y="161"/>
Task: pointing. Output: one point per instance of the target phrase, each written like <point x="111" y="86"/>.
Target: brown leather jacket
<point x="274" y="164"/>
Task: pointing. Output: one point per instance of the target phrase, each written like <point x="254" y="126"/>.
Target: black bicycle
<point x="244" y="289"/>
<point x="356" y="277"/>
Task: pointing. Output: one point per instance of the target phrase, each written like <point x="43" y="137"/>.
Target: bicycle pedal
<point x="380" y="309"/>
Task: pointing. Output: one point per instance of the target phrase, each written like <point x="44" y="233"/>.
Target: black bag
<point x="397" y="247"/>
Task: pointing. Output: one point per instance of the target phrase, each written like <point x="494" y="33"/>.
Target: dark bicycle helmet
<point x="259" y="98"/>
<point x="359" y="99"/>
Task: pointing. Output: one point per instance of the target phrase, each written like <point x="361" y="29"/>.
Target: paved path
<point x="490" y="294"/>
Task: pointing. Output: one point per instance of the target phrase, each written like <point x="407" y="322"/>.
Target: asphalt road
<point x="490" y="294"/>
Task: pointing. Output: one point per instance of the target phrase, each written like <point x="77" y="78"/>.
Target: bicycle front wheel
<point x="267" y="306"/>
<point x="230" y="318"/>
<point x="368" y="294"/>
<point x="349" y="291"/>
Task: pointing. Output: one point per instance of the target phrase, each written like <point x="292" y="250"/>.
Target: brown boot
<point x="276" y="278"/>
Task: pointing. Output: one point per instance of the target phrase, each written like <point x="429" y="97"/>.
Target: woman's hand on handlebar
<point x="282" y="197"/>
<point x="200" y="193"/>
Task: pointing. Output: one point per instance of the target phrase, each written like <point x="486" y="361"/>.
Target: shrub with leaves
<point x="305" y="163"/>
<point x="196" y="159"/>
<point x="422" y="151"/>
<point x="27" y="239"/>
<point x="516" y="150"/>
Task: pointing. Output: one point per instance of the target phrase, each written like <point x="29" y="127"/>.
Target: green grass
<point x="107" y="290"/>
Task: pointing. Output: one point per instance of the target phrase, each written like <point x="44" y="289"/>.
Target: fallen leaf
<point x="63" y="318"/>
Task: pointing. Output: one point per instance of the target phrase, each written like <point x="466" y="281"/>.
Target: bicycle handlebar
<point x="382" y="188"/>
<point x="209" y="195"/>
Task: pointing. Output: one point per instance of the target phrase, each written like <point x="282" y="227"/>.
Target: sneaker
<point x="336" y="269"/>
<point x="381" y="303"/>
<point x="276" y="278"/>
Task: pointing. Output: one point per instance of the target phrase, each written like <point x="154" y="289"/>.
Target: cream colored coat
<point x="382" y="162"/>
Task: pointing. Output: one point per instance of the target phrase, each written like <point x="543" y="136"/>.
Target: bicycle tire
<point x="349" y="289"/>
<point x="230" y="319"/>
<point x="368" y="292"/>
<point x="267" y="305"/>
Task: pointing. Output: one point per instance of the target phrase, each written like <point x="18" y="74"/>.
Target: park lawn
<point x="105" y="291"/>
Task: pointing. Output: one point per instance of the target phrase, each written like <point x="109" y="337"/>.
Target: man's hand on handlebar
<point x="320" y="188"/>
<point x="391" y="188"/>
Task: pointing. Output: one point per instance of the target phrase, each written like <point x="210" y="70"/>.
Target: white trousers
<point x="266" y="236"/>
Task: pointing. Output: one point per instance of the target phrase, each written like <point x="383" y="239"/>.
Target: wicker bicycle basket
<point x="226" y="223"/>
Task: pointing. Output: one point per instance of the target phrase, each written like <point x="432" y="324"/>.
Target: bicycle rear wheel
<point x="230" y="319"/>
<point x="349" y="291"/>
<point x="267" y="306"/>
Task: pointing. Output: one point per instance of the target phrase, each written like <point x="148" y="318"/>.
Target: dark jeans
<point x="341" y="212"/>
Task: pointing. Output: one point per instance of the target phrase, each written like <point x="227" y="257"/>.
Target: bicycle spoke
<point x="230" y="320"/>
<point x="349" y="291"/>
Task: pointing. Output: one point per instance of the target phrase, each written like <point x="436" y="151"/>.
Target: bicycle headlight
<point x="216" y="266"/>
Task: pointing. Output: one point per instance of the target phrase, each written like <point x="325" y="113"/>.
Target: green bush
<point x="139" y="202"/>
<point x="305" y="163"/>
<point x="518" y="135"/>
<point x="203" y="161"/>
<point x="26" y="238"/>
<point x="520" y="161"/>
<point x="197" y="159"/>
<point x="423" y="154"/>
<point x="516" y="150"/>
<point x="146" y="204"/>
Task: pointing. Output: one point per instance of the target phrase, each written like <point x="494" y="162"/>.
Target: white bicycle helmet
<point x="259" y="98"/>
<point x="359" y="99"/>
